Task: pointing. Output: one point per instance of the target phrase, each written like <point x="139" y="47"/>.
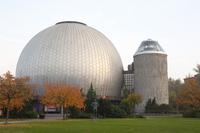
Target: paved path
<point x="48" y="117"/>
<point x="27" y="121"/>
<point x="17" y="121"/>
<point x="54" y="116"/>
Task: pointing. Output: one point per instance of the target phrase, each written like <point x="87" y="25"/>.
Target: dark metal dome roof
<point x="63" y="22"/>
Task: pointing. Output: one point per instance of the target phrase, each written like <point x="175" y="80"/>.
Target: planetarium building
<point x="72" y="53"/>
<point x="75" y="54"/>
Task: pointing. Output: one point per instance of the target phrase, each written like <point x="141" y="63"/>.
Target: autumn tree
<point x="131" y="101"/>
<point x="14" y="92"/>
<point x="175" y="86"/>
<point x="63" y="96"/>
<point x="190" y="95"/>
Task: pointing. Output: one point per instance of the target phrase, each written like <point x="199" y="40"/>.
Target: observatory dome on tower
<point x="150" y="73"/>
<point x="75" y="54"/>
<point x="149" y="46"/>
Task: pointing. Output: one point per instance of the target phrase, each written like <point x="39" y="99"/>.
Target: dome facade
<point x="75" y="54"/>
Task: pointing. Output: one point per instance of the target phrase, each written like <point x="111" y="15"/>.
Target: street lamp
<point x="95" y="106"/>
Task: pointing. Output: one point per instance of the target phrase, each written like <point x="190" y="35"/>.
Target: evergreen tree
<point x="104" y="108"/>
<point x="90" y="98"/>
<point x="152" y="106"/>
<point x="197" y="70"/>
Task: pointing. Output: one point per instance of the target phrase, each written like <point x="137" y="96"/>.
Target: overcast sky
<point x="175" y="24"/>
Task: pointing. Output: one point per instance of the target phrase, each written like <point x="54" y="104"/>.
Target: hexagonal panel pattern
<point x="75" y="54"/>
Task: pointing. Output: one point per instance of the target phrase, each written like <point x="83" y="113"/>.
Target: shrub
<point x="41" y="116"/>
<point x="164" y="108"/>
<point x="153" y="107"/>
<point x="117" y="112"/>
<point x="136" y="116"/>
<point x="191" y="114"/>
<point x="74" y="112"/>
<point x="83" y="115"/>
<point x="104" y="108"/>
<point x="31" y="114"/>
<point x="139" y="116"/>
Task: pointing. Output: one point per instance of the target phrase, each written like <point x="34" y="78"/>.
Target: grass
<point x="148" y="125"/>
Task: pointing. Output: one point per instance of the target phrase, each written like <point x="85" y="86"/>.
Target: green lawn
<point x="147" y="125"/>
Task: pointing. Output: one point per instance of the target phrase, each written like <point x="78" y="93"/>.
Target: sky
<point x="175" y="24"/>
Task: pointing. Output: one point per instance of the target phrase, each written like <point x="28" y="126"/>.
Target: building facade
<point x="150" y="73"/>
<point x="129" y="78"/>
<point x="147" y="75"/>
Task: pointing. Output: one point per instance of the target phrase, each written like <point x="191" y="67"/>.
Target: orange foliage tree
<point x="14" y="92"/>
<point x="64" y="96"/>
<point x="190" y="94"/>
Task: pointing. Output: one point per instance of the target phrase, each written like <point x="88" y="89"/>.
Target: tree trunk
<point x="7" y="115"/>
<point x="177" y="109"/>
<point x="63" y="113"/>
<point x="66" y="112"/>
<point x="7" y="111"/>
<point x="133" y="111"/>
